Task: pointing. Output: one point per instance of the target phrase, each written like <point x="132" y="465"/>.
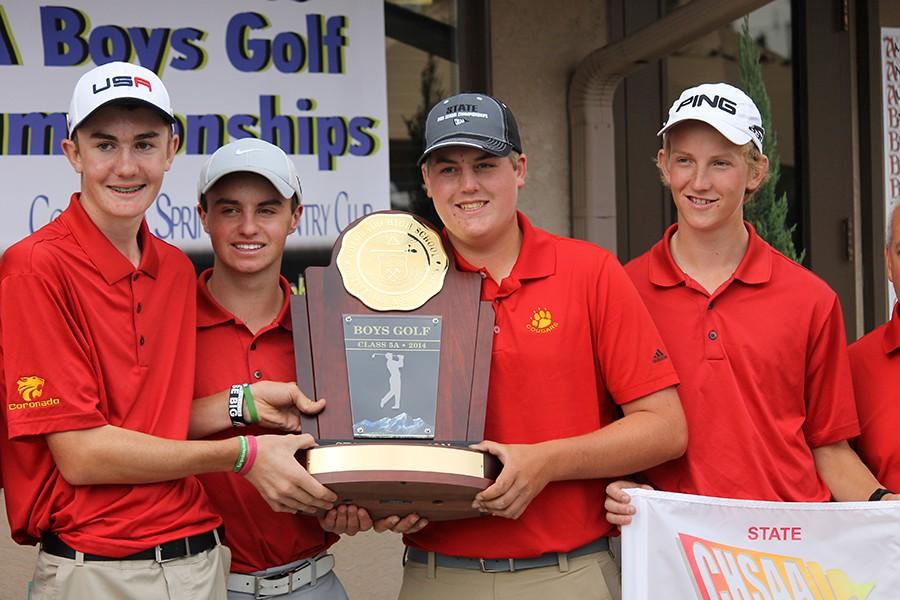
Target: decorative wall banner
<point x="306" y="75"/>
<point x="683" y="546"/>
<point x="890" y="83"/>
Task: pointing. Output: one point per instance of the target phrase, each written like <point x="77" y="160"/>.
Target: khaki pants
<point x="588" y="577"/>
<point x="200" y="577"/>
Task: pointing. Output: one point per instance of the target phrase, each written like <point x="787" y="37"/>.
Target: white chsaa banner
<point x="683" y="547"/>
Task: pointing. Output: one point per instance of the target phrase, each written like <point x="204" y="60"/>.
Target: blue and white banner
<point x="308" y="75"/>
<point x="890" y="84"/>
<point x="684" y="547"/>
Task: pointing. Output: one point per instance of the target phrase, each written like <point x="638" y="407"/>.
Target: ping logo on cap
<point x="122" y="81"/>
<point x="720" y="102"/>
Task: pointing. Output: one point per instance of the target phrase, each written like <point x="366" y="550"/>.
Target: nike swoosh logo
<point x="239" y="152"/>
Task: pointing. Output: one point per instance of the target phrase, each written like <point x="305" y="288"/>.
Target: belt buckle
<point x="157" y="551"/>
<point x="289" y="575"/>
<point x="484" y="569"/>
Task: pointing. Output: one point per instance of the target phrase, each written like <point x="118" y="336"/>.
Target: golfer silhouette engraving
<point x="393" y="363"/>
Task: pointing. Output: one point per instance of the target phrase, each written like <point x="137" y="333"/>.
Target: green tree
<point x="420" y="203"/>
<point x="766" y="212"/>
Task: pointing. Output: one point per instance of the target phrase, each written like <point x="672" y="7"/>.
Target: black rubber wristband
<point x="236" y="405"/>
<point x="879" y="494"/>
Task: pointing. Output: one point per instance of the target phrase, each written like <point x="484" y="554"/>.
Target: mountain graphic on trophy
<point x="399" y="343"/>
<point x="400" y="426"/>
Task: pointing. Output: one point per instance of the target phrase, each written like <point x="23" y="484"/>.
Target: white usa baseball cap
<point x="723" y="106"/>
<point x="251" y="155"/>
<point x="117" y="82"/>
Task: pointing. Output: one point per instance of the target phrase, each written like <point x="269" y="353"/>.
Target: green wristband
<point x="251" y="406"/>
<point x="242" y="455"/>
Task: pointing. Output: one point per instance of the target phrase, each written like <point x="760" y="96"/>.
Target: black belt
<point x="502" y="565"/>
<point x="195" y="544"/>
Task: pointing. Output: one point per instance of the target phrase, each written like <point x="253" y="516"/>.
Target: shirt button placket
<point x="713" y="347"/>
<point x="136" y="295"/>
<point x="713" y="337"/>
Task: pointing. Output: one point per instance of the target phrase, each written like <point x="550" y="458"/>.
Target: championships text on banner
<point x="307" y="76"/>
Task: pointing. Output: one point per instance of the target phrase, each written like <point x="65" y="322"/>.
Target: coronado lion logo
<point x="30" y="387"/>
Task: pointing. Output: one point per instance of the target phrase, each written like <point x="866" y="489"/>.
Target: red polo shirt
<point x="764" y="374"/>
<point x="875" y="363"/>
<point x="227" y="353"/>
<point x="89" y="340"/>
<point x="572" y="341"/>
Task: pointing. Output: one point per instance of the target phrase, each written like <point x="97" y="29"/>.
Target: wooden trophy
<point x="398" y="341"/>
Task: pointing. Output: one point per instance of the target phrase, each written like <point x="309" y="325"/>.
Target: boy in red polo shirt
<point x="757" y="340"/>
<point x="573" y="346"/>
<point x="875" y="364"/>
<point x="250" y="196"/>
<point x="97" y="346"/>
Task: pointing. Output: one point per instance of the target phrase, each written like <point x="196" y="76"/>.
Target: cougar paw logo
<point x="30" y="387"/>
<point x="542" y="321"/>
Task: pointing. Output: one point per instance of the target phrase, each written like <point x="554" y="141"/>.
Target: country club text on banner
<point x="306" y="75"/>
<point x="682" y="546"/>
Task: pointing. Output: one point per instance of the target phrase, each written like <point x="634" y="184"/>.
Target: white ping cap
<point x="726" y="108"/>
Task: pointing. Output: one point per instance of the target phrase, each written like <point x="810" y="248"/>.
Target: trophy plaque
<point x="398" y="341"/>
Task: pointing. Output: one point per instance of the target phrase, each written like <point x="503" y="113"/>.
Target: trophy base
<point x="435" y="482"/>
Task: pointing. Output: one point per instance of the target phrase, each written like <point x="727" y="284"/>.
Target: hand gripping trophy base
<point x="433" y="481"/>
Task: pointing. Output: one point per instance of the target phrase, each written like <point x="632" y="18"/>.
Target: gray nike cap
<point x="252" y="155"/>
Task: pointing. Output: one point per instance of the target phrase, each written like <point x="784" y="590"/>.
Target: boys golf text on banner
<point x="695" y="547"/>
<point x="307" y="75"/>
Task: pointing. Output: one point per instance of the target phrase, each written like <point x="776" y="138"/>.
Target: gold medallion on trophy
<point x="391" y="261"/>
